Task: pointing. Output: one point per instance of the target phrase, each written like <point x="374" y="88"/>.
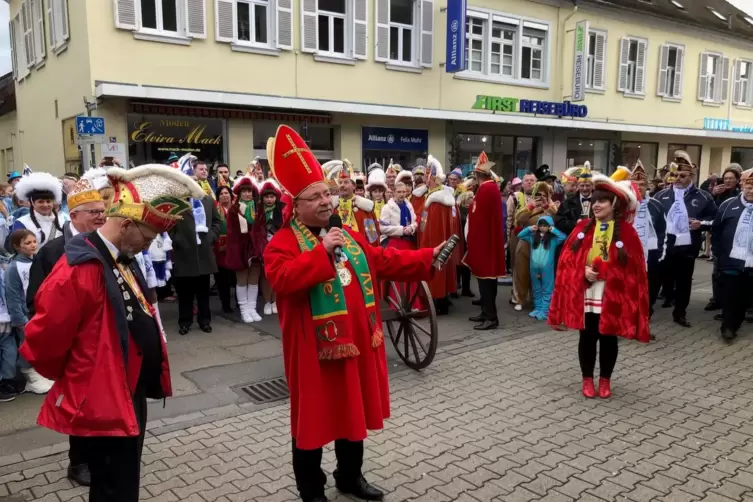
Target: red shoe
<point x="588" y="388"/>
<point x="605" y="392"/>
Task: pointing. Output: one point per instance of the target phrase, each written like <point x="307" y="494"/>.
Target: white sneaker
<point x="36" y="383"/>
<point x="267" y="309"/>
<point x="518" y="307"/>
<point x="274" y="307"/>
<point x="254" y="315"/>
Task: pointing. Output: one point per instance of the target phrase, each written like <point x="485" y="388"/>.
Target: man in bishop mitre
<point x="332" y="340"/>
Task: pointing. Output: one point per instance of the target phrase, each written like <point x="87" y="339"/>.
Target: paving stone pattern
<point x="504" y="422"/>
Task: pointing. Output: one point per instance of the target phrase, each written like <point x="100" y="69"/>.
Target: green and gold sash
<point x="327" y="300"/>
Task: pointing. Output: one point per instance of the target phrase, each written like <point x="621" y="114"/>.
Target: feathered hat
<point x="245" y="181"/>
<point x="639" y="172"/>
<point x="393" y="168"/>
<point x="152" y="194"/>
<point x="419" y="167"/>
<point x="570" y="175"/>
<point x="584" y="173"/>
<point x="185" y="164"/>
<point x="622" y="173"/>
<point x="623" y="190"/>
<point x="483" y="165"/>
<point x="434" y="169"/>
<point x="39" y="186"/>
<point x="98" y="179"/>
<point x="377" y="178"/>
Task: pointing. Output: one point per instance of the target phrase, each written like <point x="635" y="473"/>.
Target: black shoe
<point x="652" y="336"/>
<point x="206" y="328"/>
<point x="454" y="295"/>
<point x="183" y="330"/>
<point x="478" y="318"/>
<point x="80" y="474"/>
<point x="718" y="317"/>
<point x="487" y="325"/>
<point x="682" y="321"/>
<point x="712" y="305"/>
<point x="360" y="488"/>
<point x="728" y="334"/>
<point x="468" y="293"/>
<point x="476" y="303"/>
<point x="7" y="392"/>
<point x="667" y="304"/>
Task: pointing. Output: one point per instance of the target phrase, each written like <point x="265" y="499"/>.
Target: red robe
<point x="624" y="309"/>
<point x="486" y="233"/>
<point x="440" y="219"/>
<point x="338" y="399"/>
<point x="418" y="200"/>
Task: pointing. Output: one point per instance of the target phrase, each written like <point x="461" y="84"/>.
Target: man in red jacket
<point x="332" y="340"/>
<point x="105" y="349"/>
<point x="486" y="242"/>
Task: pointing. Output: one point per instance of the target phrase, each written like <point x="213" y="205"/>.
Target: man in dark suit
<point x="576" y="206"/>
<point x="87" y="212"/>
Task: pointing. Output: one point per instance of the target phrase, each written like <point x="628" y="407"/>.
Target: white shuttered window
<point x="18" y="45"/>
<point x="713" y="78"/>
<point x="175" y="21"/>
<point x="597" y="53"/>
<point x="57" y="24"/>
<point x="632" y="76"/>
<point x="262" y="26"/>
<point x="742" y="90"/>
<point x="335" y="29"/>
<point x="37" y="19"/>
<point x="671" y="62"/>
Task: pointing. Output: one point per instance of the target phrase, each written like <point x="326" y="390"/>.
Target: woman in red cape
<point x="601" y="288"/>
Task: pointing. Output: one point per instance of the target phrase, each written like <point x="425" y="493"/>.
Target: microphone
<point x="336" y="222"/>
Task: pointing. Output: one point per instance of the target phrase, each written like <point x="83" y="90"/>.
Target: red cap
<point x="291" y="161"/>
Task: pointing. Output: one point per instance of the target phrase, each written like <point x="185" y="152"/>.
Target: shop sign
<point x="154" y="138"/>
<point x="455" y="57"/>
<point x="387" y="138"/>
<point x="170" y="131"/>
<point x="724" y="125"/>
<point x="579" y="70"/>
<point x="510" y="105"/>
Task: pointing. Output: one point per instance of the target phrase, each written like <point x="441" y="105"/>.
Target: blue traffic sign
<point x="90" y="125"/>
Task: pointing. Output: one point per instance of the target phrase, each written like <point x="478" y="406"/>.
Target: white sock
<point x="253" y="295"/>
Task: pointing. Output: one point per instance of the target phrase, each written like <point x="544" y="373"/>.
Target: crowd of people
<point x="585" y="251"/>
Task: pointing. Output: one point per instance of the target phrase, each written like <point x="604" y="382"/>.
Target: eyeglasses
<point x="318" y="197"/>
<point x="683" y="175"/>
<point x="147" y="240"/>
<point x="93" y="212"/>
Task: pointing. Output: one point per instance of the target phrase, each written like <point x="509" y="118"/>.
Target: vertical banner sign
<point x="580" y="63"/>
<point x="455" y="61"/>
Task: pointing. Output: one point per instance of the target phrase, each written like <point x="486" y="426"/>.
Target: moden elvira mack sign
<point x="516" y="105"/>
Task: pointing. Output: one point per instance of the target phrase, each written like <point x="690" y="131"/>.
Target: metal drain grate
<point x="267" y="391"/>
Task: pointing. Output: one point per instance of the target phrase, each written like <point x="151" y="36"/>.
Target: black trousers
<point x="225" y="281"/>
<point x="77" y="450"/>
<point x="487" y="289"/>
<point x="307" y="467"/>
<point x="717" y="295"/>
<point x="115" y="462"/>
<point x="188" y="289"/>
<point x="678" y="269"/>
<point x="655" y="279"/>
<point x="464" y="278"/>
<point x="589" y="338"/>
<point x="737" y="291"/>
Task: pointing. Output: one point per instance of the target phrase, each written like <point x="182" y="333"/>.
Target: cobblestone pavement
<point x="500" y="422"/>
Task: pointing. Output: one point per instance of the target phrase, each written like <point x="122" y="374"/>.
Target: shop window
<point x="647" y="153"/>
<point x="319" y="138"/>
<point x="743" y="156"/>
<point x="597" y="44"/>
<point x="743" y="90"/>
<point x="504" y="48"/>
<point x="632" y="80"/>
<point x="713" y="78"/>
<point x="671" y="63"/>
<point x="595" y="151"/>
<point x="513" y="155"/>
<point x="694" y="151"/>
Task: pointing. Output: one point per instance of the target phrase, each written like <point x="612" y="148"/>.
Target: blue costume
<point x="542" y="266"/>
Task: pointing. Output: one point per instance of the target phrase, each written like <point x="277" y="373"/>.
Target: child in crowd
<point x="24" y="243"/>
<point x="544" y="240"/>
<point x="8" y="345"/>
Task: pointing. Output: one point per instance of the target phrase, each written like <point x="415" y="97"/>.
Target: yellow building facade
<point x="366" y="80"/>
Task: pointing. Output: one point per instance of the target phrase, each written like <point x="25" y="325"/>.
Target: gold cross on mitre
<point x="297" y="151"/>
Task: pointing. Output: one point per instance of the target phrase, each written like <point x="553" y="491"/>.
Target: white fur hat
<point x="32" y="186"/>
<point x="377" y="178"/>
<point x="97" y="177"/>
<point x="404" y="175"/>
